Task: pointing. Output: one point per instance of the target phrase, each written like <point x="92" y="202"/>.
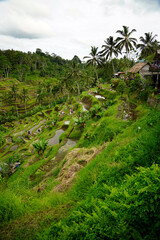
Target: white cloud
<point x="69" y="27"/>
<point x="25" y="19"/>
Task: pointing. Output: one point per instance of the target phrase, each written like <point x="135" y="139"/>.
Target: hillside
<point x="86" y="167"/>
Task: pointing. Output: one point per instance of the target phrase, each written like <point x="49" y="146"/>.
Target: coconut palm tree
<point x="40" y="94"/>
<point x="66" y="85"/>
<point x="94" y="59"/>
<point x="75" y="73"/>
<point x="14" y="90"/>
<point x="148" y="44"/>
<point x="110" y="49"/>
<point x="125" y="41"/>
<point x="24" y="97"/>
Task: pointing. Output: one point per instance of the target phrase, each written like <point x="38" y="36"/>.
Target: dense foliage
<point x="123" y="200"/>
<point x="79" y="146"/>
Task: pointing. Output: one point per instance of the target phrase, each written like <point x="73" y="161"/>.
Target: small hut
<point x="141" y="68"/>
<point x="151" y="69"/>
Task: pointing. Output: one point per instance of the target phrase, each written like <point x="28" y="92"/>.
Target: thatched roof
<point x="137" y="67"/>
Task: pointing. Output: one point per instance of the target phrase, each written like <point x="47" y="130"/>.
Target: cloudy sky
<point x="71" y="27"/>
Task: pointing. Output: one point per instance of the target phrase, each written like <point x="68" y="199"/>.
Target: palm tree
<point x="40" y="94"/>
<point x="14" y="90"/>
<point x="66" y="85"/>
<point x="75" y="73"/>
<point x="149" y="45"/>
<point x="24" y="97"/>
<point x="94" y="59"/>
<point x="48" y="90"/>
<point x="126" y="41"/>
<point x="110" y="48"/>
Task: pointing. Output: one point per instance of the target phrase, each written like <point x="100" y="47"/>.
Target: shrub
<point x="95" y="110"/>
<point x="40" y="146"/>
<point x="121" y="87"/>
<point x="108" y="103"/>
<point x="134" y="84"/>
<point x="115" y="82"/>
<point x="14" y="158"/>
<point x="127" y="211"/>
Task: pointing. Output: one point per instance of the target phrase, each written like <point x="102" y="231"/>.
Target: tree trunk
<point x="113" y="67"/>
<point x="6" y="72"/>
<point x="96" y="75"/>
<point x="127" y="54"/>
<point x="68" y="95"/>
<point x="16" y="105"/>
<point x="78" y="88"/>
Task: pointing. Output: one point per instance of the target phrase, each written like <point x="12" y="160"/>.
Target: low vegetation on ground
<point x="82" y="162"/>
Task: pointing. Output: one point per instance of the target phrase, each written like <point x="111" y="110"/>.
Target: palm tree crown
<point x="126" y="41"/>
<point x="110" y="48"/>
<point x="148" y="44"/>
<point x="94" y="59"/>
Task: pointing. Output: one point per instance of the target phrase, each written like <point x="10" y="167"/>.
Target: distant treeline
<point x="24" y="66"/>
<point x="19" y="64"/>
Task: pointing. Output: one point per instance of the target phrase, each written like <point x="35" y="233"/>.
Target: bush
<point x="40" y="146"/>
<point x="114" y="82"/>
<point x="14" y="158"/>
<point x="128" y="211"/>
<point x="121" y="87"/>
<point x="134" y="84"/>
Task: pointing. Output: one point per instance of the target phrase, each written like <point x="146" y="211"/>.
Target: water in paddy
<point x="32" y="129"/>
<point x="39" y="129"/>
<point x="84" y="107"/>
<point x="14" y="147"/>
<point x="36" y="126"/>
<point x="99" y="97"/>
<point x="55" y="140"/>
<point x="67" y="122"/>
<point x="69" y="144"/>
<point x="19" y="133"/>
<point x="63" y="151"/>
<point x="9" y="140"/>
<point x="60" y="155"/>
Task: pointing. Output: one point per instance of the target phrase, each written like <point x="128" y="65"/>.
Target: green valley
<point x="79" y="148"/>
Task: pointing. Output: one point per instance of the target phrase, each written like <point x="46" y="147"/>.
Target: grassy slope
<point x="27" y="214"/>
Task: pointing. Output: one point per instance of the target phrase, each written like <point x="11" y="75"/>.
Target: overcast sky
<point x="71" y="27"/>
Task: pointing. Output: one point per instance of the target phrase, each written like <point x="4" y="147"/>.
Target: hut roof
<point x="137" y="67"/>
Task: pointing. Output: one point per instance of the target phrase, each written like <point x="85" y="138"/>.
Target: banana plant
<point x="40" y="146"/>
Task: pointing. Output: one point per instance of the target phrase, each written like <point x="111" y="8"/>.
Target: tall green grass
<point x="117" y="193"/>
<point x="11" y="206"/>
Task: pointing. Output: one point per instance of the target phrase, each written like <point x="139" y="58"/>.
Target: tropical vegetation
<point x="79" y="147"/>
